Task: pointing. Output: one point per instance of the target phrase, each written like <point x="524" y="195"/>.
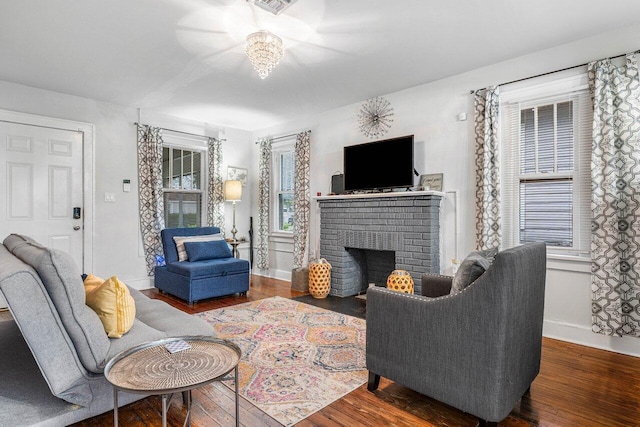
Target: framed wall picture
<point x="237" y="174"/>
<point x="431" y="181"/>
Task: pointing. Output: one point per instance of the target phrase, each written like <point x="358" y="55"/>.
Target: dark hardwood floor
<point x="577" y="386"/>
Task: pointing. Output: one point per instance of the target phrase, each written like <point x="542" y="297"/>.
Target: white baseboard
<point x="147" y="283"/>
<point x="275" y="274"/>
<point x="140" y="284"/>
<point x="583" y="335"/>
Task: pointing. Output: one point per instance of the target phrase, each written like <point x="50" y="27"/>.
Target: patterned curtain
<point x="488" y="233"/>
<point x="150" y="202"/>
<point x="301" y="201"/>
<point x="263" y="203"/>
<point x="615" y="175"/>
<point x="215" y="186"/>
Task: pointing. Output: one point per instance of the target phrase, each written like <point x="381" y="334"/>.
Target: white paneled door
<point x="42" y="190"/>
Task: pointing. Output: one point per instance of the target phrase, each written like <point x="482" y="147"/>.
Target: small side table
<point x="234" y="245"/>
<point x="151" y="369"/>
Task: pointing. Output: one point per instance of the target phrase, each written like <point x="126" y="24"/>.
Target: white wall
<point x="444" y="144"/>
<point x="237" y="151"/>
<point x="430" y="111"/>
<point x="117" y="246"/>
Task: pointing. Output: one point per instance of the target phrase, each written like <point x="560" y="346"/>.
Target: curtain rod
<point x="42" y="126"/>
<point x="184" y="133"/>
<point x="285" y="136"/>
<point x="472" y="91"/>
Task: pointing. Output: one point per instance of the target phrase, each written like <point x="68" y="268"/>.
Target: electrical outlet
<point x="109" y="197"/>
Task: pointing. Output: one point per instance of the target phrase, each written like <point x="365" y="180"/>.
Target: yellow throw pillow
<point x="91" y="282"/>
<point x="114" y="305"/>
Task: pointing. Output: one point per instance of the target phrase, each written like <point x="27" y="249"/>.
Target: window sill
<point x="281" y="242"/>
<point x="281" y="236"/>
<point x="575" y="263"/>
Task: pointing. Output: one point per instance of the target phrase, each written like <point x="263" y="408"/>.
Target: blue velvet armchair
<point x="193" y="281"/>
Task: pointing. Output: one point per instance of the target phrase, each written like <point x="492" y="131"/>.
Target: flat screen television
<point x="379" y="165"/>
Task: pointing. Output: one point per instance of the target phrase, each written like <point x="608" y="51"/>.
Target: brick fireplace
<point x="364" y="237"/>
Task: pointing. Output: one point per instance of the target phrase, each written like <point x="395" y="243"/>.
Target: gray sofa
<point x="477" y="350"/>
<point x="53" y="354"/>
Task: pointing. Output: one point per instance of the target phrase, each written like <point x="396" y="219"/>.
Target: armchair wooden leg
<point x="485" y="423"/>
<point x="374" y="381"/>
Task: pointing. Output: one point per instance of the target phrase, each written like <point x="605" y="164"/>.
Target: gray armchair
<point x="477" y="350"/>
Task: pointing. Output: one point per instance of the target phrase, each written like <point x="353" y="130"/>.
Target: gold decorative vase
<point x="401" y="281"/>
<point x="319" y="278"/>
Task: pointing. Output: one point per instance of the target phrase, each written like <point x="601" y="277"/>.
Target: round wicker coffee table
<point x="151" y="369"/>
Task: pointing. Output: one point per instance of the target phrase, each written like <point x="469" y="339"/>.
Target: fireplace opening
<point x="371" y="266"/>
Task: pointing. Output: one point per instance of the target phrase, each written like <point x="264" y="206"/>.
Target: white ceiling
<point x="185" y="58"/>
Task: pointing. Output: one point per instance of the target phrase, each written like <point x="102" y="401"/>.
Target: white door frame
<point x="88" y="164"/>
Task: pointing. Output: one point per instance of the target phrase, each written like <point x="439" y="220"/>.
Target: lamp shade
<point x="232" y="191"/>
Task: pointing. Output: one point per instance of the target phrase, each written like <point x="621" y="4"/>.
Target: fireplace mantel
<point x="405" y="224"/>
<point x="381" y="195"/>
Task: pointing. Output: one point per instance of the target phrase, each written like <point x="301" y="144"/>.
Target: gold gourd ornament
<point x="401" y="281"/>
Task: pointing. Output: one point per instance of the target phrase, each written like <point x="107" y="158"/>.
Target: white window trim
<point x="578" y="264"/>
<point x="533" y="94"/>
<point x="276" y="150"/>
<point x="192" y="144"/>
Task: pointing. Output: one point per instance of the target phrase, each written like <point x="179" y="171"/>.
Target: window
<point x="546" y="158"/>
<point x="182" y="184"/>
<point x="546" y="174"/>
<point x="284" y="163"/>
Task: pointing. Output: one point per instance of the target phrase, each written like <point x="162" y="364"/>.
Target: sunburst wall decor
<point x="375" y="117"/>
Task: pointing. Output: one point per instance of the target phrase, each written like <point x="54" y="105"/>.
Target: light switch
<point x="109" y="197"/>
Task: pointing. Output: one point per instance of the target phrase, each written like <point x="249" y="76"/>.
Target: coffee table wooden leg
<point x="237" y="399"/>
<point x="115" y="407"/>
<point x="164" y="410"/>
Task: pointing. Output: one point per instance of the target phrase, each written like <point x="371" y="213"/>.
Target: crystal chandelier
<point x="265" y="51"/>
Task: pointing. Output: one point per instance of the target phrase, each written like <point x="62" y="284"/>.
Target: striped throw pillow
<point x="182" y="253"/>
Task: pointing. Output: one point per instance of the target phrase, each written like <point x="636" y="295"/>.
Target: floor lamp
<point x="233" y="194"/>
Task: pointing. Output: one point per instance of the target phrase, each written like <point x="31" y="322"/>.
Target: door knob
<point x="76" y="227"/>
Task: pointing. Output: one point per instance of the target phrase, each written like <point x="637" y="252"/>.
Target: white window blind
<point x="546" y="171"/>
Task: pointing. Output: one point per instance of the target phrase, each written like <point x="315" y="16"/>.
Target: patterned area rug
<point x="296" y="358"/>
